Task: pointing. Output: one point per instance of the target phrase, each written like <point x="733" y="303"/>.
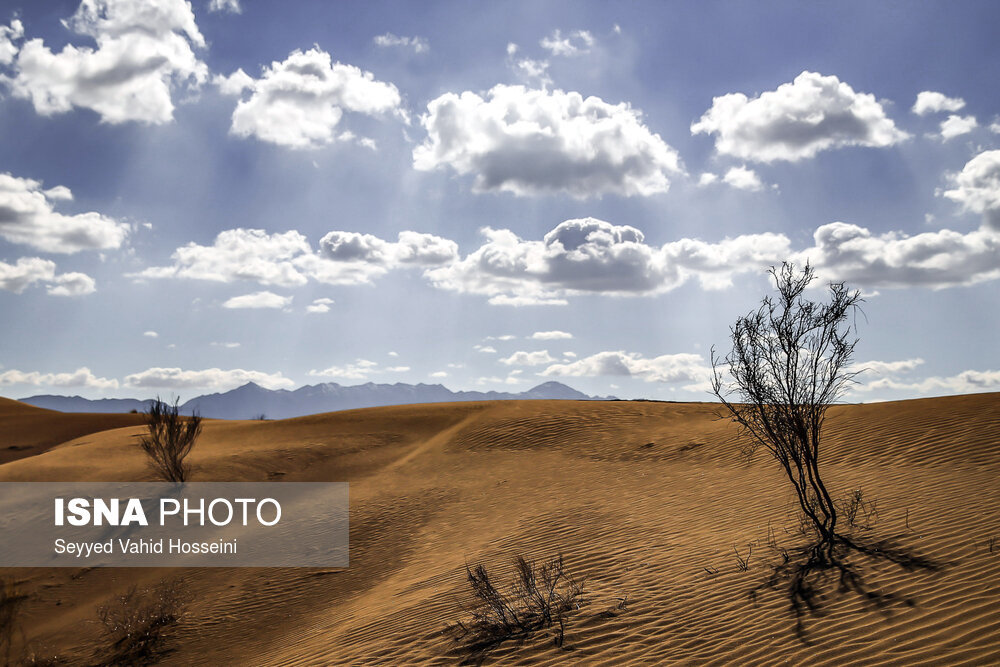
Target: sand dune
<point x="26" y="430"/>
<point x="644" y="499"/>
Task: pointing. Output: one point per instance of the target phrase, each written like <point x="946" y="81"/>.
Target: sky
<point x="195" y="195"/>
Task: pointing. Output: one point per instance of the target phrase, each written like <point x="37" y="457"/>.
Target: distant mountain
<point x="81" y="404"/>
<point x="251" y="400"/>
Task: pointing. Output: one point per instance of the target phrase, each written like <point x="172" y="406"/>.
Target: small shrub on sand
<point x="169" y="440"/>
<point x="538" y="597"/>
<point x="135" y="624"/>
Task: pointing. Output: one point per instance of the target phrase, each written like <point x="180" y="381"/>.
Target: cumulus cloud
<point x="72" y="284"/>
<point x="241" y="254"/>
<point x="551" y="335"/>
<point x="977" y="188"/>
<point x="966" y="382"/>
<point x="226" y="6"/>
<point x="743" y="178"/>
<point x="521" y="358"/>
<point x="876" y="367"/>
<point x="798" y="120"/>
<point x="943" y="258"/>
<point x="8" y="35"/>
<point x="439" y="374"/>
<point x="418" y="44"/>
<point x="81" y="377"/>
<point x="288" y="260"/>
<point x="707" y="178"/>
<point x="593" y="256"/>
<point x="144" y="53"/>
<point x="30" y="270"/>
<point x="209" y="378"/>
<point x="668" y="368"/>
<point x="930" y="101"/>
<point x="533" y="142"/>
<point x="299" y="102"/>
<point x="956" y="126"/>
<point x="320" y="305"/>
<point x="28" y="217"/>
<point x="258" y="300"/>
<point x="150" y="334"/>
<point x="575" y="43"/>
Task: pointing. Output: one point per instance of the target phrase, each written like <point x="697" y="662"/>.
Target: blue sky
<point x="487" y="196"/>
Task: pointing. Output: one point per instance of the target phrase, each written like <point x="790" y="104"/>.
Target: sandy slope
<point x="26" y="430"/>
<point x="644" y="499"/>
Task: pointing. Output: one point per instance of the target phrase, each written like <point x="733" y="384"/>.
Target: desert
<point x="650" y="504"/>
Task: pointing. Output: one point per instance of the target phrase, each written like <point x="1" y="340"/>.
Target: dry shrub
<point x="135" y="624"/>
<point x="538" y="597"/>
<point x="169" y="440"/>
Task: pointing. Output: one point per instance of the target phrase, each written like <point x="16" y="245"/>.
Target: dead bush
<point x="169" y="440"/>
<point x="136" y="624"/>
<point x="538" y="597"/>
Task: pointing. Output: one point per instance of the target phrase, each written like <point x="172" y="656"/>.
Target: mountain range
<point x="251" y="401"/>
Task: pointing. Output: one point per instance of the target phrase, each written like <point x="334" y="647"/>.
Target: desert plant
<point x="743" y="564"/>
<point x="789" y="362"/>
<point x="537" y="598"/>
<point x="858" y="512"/>
<point x="135" y="624"/>
<point x="169" y="440"/>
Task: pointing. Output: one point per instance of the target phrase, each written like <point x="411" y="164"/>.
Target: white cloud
<point x="886" y="367"/>
<point x="359" y="370"/>
<point x="227" y="6"/>
<point x="575" y="43"/>
<point x="27" y="216"/>
<point x="258" y="300"/>
<point x="995" y="127"/>
<point x="937" y="259"/>
<point x="798" y="120"/>
<point x="485" y="349"/>
<point x="521" y="358"/>
<point x="320" y="306"/>
<point x="144" y="53"/>
<point x="551" y="335"/>
<point x="439" y="374"/>
<point x="299" y="102"/>
<point x="743" y="178"/>
<point x="418" y="44"/>
<point x="956" y="126"/>
<point x="209" y="378"/>
<point x="8" y="35"/>
<point x="150" y="334"/>
<point x="288" y="260"/>
<point x="510" y="379"/>
<point x="533" y="142"/>
<point x="30" y="270"/>
<point x="397" y="369"/>
<point x="707" y="178"/>
<point x="228" y="346"/>
<point x="930" y="101"/>
<point x="966" y="382"/>
<point x="240" y="254"/>
<point x="81" y="377"/>
<point x="533" y="72"/>
<point x="593" y="256"/>
<point x="670" y="368"/>
<point x="72" y="284"/>
<point x="393" y="354"/>
<point x="977" y="188"/>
